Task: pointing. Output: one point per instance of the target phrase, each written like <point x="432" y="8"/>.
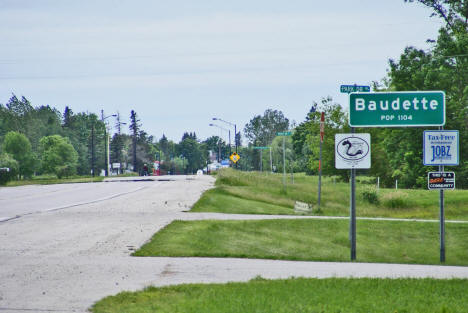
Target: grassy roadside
<point x="297" y="295"/>
<point x="262" y="193"/>
<point x="52" y="179"/>
<point x="310" y="240"/>
<point x="49" y="180"/>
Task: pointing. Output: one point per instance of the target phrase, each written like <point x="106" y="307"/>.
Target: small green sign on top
<point x="354" y="88"/>
<point x="283" y="134"/>
<point x="397" y="109"/>
<point x="261" y="148"/>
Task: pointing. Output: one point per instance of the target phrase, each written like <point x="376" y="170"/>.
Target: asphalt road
<point x="25" y="200"/>
<point x="64" y="256"/>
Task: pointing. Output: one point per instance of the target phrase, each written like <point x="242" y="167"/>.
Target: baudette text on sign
<point x="397" y="109"/>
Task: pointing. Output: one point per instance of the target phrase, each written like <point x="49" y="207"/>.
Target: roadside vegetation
<point x="263" y="193"/>
<point x="297" y="295"/>
<point x="52" y="179"/>
<point x="310" y="240"/>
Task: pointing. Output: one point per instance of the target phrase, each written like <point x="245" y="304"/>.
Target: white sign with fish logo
<point x="352" y="151"/>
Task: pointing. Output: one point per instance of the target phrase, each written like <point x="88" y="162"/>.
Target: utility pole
<point x="92" y="149"/>
<point x="119" y="141"/>
<point x="106" y="142"/>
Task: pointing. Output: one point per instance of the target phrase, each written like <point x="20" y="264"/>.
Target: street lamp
<point x="219" y="143"/>
<point x="118" y="124"/>
<point x="235" y="131"/>
<point x="106" y="144"/>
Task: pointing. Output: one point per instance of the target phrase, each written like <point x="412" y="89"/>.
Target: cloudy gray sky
<point x="179" y="63"/>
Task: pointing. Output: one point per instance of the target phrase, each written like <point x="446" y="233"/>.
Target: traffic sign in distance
<point x="440" y="180"/>
<point x="234" y="157"/>
<point x="261" y="148"/>
<point x="352" y="151"/>
<point x="397" y="109"/>
<point x="283" y="134"/>
<point x="440" y="147"/>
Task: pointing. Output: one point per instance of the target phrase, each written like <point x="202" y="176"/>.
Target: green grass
<point x="263" y="193"/>
<point x="310" y="240"/>
<point x="49" y="180"/>
<point x="298" y="295"/>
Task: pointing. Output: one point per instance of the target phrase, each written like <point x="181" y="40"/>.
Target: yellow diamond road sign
<point x="234" y="157"/>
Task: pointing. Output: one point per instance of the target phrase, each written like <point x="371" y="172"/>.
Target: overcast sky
<point x="180" y="63"/>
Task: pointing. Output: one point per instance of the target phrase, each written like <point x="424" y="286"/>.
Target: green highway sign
<point x="283" y="134"/>
<point x="261" y="148"/>
<point x="354" y="88"/>
<point x="397" y="109"/>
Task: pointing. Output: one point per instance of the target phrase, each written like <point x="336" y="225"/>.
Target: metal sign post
<point x="284" y="164"/>
<point x="441" y="148"/>
<point x="352" y="151"/>
<point x="442" y="220"/>
<point x="322" y="130"/>
<point x="284" y="134"/>
<point x="349" y="159"/>
<point x="271" y="162"/>
<point x="352" y="209"/>
<point x="261" y="160"/>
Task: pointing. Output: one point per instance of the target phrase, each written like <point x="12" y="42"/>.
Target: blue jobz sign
<point x="440" y="147"/>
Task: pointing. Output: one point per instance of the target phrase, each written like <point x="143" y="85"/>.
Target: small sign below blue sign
<point x="440" y="147"/>
<point x="440" y="180"/>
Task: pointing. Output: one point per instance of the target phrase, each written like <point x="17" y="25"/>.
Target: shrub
<point x="9" y="168"/>
<point x="370" y="195"/>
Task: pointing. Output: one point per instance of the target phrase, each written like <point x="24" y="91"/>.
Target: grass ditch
<point x="299" y="295"/>
<point x="50" y="180"/>
<point x="262" y="193"/>
<point x="310" y="240"/>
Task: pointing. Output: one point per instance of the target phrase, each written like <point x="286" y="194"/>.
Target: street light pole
<point x="119" y="141"/>
<point x="106" y="142"/>
<point x="220" y="132"/>
<point x="235" y="131"/>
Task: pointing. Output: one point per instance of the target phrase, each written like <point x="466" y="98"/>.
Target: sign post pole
<point x="352" y="151"/>
<point x="352" y="221"/>
<point x="442" y="221"/>
<point x="284" y="164"/>
<point x="442" y="217"/>
<point x="284" y="134"/>
<point x="441" y="147"/>
<point x="271" y="162"/>
<point x="322" y="127"/>
<point x="261" y="160"/>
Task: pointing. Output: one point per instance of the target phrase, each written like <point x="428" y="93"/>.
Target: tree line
<point x="36" y="140"/>
<point x="397" y="152"/>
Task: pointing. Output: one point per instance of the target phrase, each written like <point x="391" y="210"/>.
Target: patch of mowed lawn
<point x="298" y="295"/>
<point x="310" y="240"/>
<point x="263" y="193"/>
